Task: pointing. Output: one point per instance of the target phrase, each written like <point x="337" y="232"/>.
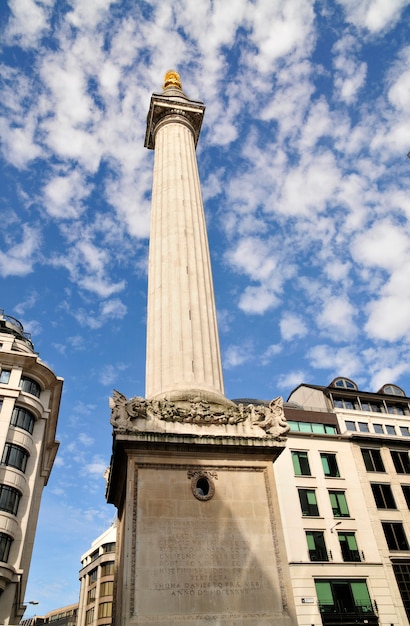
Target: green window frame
<point x="348" y="546"/>
<point x="316" y="545"/>
<point x="329" y="464"/>
<point x="308" y="502"/>
<point x="300" y="462"/>
<point x="339" y="503"/>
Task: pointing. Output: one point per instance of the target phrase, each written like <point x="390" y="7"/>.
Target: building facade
<point x="64" y="616"/>
<point x="30" y="396"/>
<point x="97" y="581"/>
<point x="344" y="494"/>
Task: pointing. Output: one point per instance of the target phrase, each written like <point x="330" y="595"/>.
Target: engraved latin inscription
<point x="213" y="557"/>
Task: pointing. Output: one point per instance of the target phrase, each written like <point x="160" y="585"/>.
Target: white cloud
<point x="237" y="355"/>
<point x="29" y="20"/>
<point x="292" y="326"/>
<point x="110" y="373"/>
<point x="350" y="72"/>
<point x="375" y="15"/>
<point x="63" y="195"/>
<point x="85" y="439"/>
<point x="389" y="317"/>
<point x="384" y="245"/>
<point x="343" y="361"/>
<point x="18" y="146"/>
<point x="290" y="380"/>
<point x="337" y="317"/>
<point x="257" y="300"/>
<point x="20" y="256"/>
<point x="96" y="468"/>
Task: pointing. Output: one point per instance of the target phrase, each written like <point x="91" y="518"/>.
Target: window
<point x="402" y="573"/>
<point x="383" y="496"/>
<point x="363" y="427"/>
<point x="393" y="390"/>
<point x="395" y="536"/>
<point x="94" y="555"/>
<point x="107" y="569"/>
<point x="348" y="546"/>
<point x="375" y="407"/>
<point x="30" y="386"/>
<point x="91" y="595"/>
<point x="404" y="431"/>
<point x="92" y="576"/>
<point x="5" y="543"/>
<point x="346" y="403"/>
<point x="406" y="493"/>
<point x="378" y="428"/>
<point x="105" y="609"/>
<point x="15" y="456"/>
<point x="339" y="504"/>
<point x="396" y="409"/>
<point x="373" y="460"/>
<point x="89" y="616"/>
<point x="9" y="499"/>
<point x="301" y="463"/>
<point x="390" y="429"/>
<point x="108" y="547"/>
<point x="401" y="461"/>
<point x="339" y="597"/>
<point x="5" y="376"/>
<point x="308" y="427"/>
<point x="107" y="588"/>
<point x="350" y="425"/>
<point x="21" y="418"/>
<point x="329" y="464"/>
<point x="345" y="383"/>
<point x="308" y="502"/>
<point x="316" y="545"/>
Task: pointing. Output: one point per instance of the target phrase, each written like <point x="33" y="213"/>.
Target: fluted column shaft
<point x="183" y="353"/>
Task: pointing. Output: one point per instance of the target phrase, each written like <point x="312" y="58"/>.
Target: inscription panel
<point x="212" y="561"/>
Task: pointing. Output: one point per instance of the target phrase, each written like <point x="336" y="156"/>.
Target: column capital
<point x="173" y="106"/>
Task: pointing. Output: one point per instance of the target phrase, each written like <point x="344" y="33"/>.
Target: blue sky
<point x="305" y="178"/>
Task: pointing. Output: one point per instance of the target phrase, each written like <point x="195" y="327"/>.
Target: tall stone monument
<point x="199" y="538"/>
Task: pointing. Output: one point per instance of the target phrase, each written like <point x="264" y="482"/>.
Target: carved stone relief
<point x="138" y="414"/>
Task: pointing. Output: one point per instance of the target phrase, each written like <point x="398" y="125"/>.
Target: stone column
<point x="183" y="353"/>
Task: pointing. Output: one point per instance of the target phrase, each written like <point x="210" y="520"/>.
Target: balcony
<point x="347" y="613"/>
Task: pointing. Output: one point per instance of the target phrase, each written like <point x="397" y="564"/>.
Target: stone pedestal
<point x="199" y="540"/>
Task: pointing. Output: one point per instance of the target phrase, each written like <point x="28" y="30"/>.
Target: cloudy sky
<point x="305" y="179"/>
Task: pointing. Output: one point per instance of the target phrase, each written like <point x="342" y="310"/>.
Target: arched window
<point x="30" y="386"/>
<point x="343" y="383"/>
<point x="392" y="390"/>
<point x="9" y="499"/>
<point x="21" y="418"/>
<point x="15" y="456"/>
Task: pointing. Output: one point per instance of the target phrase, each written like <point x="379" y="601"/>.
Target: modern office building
<point x="64" y="616"/>
<point x="97" y="581"/>
<point x="30" y="395"/>
<point x="344" y="494"/>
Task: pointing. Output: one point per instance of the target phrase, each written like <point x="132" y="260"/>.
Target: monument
<point x="199" y="539"/>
